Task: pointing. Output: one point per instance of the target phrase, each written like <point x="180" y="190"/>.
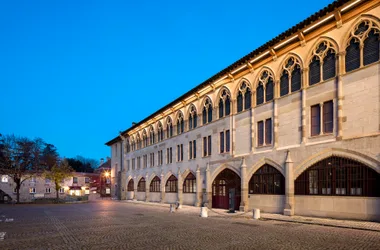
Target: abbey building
<point x="291" y="128"/>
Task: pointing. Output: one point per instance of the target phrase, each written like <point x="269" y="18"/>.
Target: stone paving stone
<point x="121" y="225"/>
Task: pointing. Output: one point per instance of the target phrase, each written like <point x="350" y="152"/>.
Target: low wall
<point x="267" y="203"/>
<point x="130" y="195"/>
<point x="171" y="197"/>
<point x="140" y="196"/>
<point x="359" y="208"/>
<point x="189" y="199"/>
<point x="155" y="197"/>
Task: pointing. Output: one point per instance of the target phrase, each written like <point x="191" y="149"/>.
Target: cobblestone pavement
<point x="117" y="225"/>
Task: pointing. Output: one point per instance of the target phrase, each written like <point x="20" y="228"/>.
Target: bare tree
<point x="20" y="159"/>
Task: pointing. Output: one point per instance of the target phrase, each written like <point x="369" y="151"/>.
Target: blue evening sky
<point x="76" y="72"/>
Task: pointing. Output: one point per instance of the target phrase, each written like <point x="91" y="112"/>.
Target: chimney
<point x="101" y="161"/>
<point x="134" y="124"/>
<point x="108" y="158"/>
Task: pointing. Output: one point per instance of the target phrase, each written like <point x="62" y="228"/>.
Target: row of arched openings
<point x="362" y="48"/>
<point x="334" y="176"/>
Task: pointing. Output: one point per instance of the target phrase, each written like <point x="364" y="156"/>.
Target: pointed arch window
<point x="180" y="124"/>
<point x="171" y="185"/>
<point x="151" y="136"/>
<point x="144" y="139"/>
<point x="169" y="128"/>
<point x="141" y="185"/>
<point x="244" y="97"/>
<point x="291" y="76"/>
<point x="363" y="47"/>
<point x="224" y="103"/>
<point x="323" y="63"/>
<point x="338" y="176"/>
<point x="133" y="145"/>
<point x="267" y="180"/>
<point x="138" y="142"/>
<point x="190" y="184"/>
<point x="160" y="132"/>
<point x="264" y="94"/>
<point x="131" y="185"/>
<point x="128" y="146"/>
<point x="207" y="111"/>
<point x="193" y="117"/>
<point x="155" y="185"/>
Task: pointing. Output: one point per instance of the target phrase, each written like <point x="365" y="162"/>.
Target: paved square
<point x="117" y="225"/>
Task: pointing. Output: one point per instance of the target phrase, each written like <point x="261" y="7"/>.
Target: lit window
<point x="4" y="178"/>
<point x="32" y="190"/>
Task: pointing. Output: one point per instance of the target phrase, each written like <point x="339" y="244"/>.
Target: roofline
<point x="246" y="59"/>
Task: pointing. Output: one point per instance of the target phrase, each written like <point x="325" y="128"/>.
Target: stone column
<point x="180" y="189"/>
<point x="340" y="96"/>
<point x="244" y="187"/>
<point x="123" y="186"/>
<point x="134" y="188"/>
<point x="199" y="188"/>
<point x="305" y="84"/>
<point x="147" y="188"/>
<point x="289" y="186"/>
<point x="275" y="114"/>
<point x="208" y="187"/>
<point x="162" y="188"/>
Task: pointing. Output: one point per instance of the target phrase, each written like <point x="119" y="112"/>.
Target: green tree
<point x="20" y="159"/>
<point x="58" y="173"/>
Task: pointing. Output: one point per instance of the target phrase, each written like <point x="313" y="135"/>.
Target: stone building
<point x="80" y="184"/>
<point x="293" y="127"/>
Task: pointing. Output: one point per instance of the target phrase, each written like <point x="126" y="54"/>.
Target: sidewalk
<point x="360" y="225"/>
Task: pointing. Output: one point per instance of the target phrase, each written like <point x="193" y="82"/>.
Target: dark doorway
<point x="221" y="186"/>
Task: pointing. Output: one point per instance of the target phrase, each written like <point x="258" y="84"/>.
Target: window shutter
<point x="269" y="90"/>
<point x="352" y="56"/>
<point x="221" y="142"/>
<point x="314" y="71"/>
<point x="284" y="83"/>
<point x="260" y="95"/>
<point x="268" y="131"/>
<point x="329" y="65"/>
<point x="371" y="50"/>
<point x="315" y="120"/>
<point x="328" y="117"/>
<point x="296" y="78"/>
<point x="260" y="133"/>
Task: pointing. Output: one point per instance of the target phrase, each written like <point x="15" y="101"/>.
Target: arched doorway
<point x="225" y="182"/>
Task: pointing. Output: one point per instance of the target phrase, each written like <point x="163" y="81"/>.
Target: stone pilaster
<point x="162" y="188"/>
<point x="147" y="188"/>
<point x="180" y="189"/>
<point x="134" y="188"/>
<point x="123" y="185"/>
<point x="244" y="187"/>
<point x="340" y="96"/>
<point x="199" y="187"/>
<point x="208" y="187"/>
<point x="289" y="186"/>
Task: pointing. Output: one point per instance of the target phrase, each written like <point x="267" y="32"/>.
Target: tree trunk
<point x="56" y="190"/>
<point x="18" y="185"/>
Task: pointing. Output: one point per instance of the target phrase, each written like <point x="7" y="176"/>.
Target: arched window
<point x="364" y="41"/>
<point x="190" y="184"/>
<point x="131" y="185"/>
<point x="171" y="185"/>
<point x="151" y="135"/>
<point x="267" y="180"/>
<point x="207" y="111"/>
<point x="138" y="142"/>
<point x="133" y="145"/>
<point x="193" y="117"/>
<point x="128" y="146"/>
<point x="291" y="77"/>
<point x="338" y="176"/>
<point x="180" y="123"/>
<point x="144" y="139"/>
<point x="323" y="63"/>
<point x="155" y="185"/>
<point x="244" y="97"/>
<point x="169" y="128"/>
<point x="160" y="132"/>
<point x="141" y="185"/>
<point x="224" y="103"/>
<point x="266" y="79"/>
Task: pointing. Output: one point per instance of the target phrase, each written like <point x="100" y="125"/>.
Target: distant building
<point x="104" y="173"/>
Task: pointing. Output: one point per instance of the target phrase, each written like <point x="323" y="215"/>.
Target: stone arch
<point x="204" y="101"/>
<point x="151" y="177"/>
<point x="219" y="169"/>
<point x="284" y="60"/>
<point x="186" y="172"/>
<point x="347" y="35"/>
<point x="220" y="92"/>
<point x="236" y="91"/>
<point x="316" y="43"/>
<point x="166" y="177"/>
<point x="167" y="119"/>
<point x="262" y="162"/>
<point x="257" y="77"/>
<point x="188" y="110"/>
<point x="345" y="153"/>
